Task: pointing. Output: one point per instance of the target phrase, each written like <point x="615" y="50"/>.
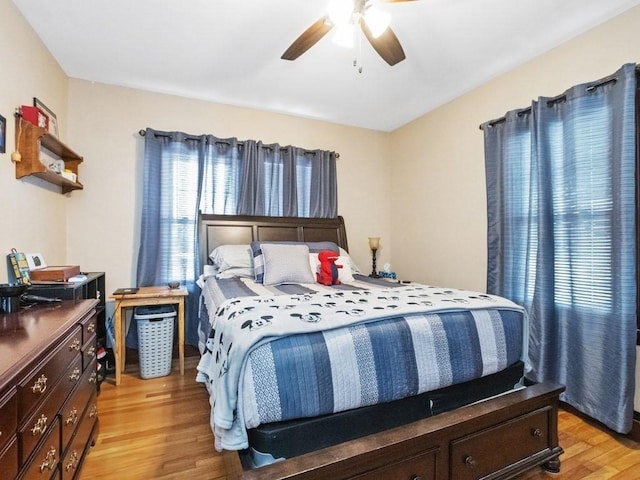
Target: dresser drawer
<point x="89" y="328"/>
<point x="37" y="385"/>
<point x="74" y="408"/>
<point x="38" y="424"/>
<point x="8" y="417"/>
<point x="9" y="458"/>
<point x="490" y="450"/>
<point x="74" y="454"/>
<point x="44" y="462"/>
<point x="89" y="352"/>
<point x="422" y="466"/>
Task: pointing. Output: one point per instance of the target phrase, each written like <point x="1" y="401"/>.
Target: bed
<point x="294" y="367"/>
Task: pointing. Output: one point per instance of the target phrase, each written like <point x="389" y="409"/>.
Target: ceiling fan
<point x="347" y="16"/>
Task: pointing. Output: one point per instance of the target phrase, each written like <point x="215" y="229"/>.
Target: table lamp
<point x="374" y="244"/>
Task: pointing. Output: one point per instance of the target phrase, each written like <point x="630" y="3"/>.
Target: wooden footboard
<point x="493" y="439"/>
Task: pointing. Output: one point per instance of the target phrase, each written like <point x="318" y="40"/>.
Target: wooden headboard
<point x="216" y="230"/>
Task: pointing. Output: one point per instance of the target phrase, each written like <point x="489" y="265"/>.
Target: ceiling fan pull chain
<point x="357" y="62"/>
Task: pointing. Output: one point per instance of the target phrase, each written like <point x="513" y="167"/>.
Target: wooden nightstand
<point x="146" y="296"/>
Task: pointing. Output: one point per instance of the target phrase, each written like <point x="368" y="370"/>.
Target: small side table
<point x="143" y="297"/>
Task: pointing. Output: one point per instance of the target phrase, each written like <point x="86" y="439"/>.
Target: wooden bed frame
<point x="497" y="438"/>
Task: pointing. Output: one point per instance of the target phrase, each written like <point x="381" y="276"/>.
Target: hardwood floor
<point x="159" y="429"/>
<point x="156" y="428"/>
<point x="591" y="453"/>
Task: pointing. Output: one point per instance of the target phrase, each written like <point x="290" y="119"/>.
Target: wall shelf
<point x="33" y="143"/>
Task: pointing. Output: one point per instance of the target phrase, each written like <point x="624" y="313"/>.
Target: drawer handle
<point x="75" y="345"/>
<point x="92" y="351"/>
<point x="93" y="377"/>
<point x="49" y="461"/>
<point x="91" y="327"/>
<point x="41" y="385"/>
<point x="94" y="411"/>
<point x="470" y="462"/>
<point x="416" y="477"/>
<point x="73" y="462"/>
<point x="537" y="433"/>
<point x="75" y="375"/>
<point x="72" y="417"/>
<point x="40" y="426"/>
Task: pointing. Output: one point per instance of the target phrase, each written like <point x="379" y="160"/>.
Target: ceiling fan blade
<point x="308" y="39"/>
<point x="387" y="45"/>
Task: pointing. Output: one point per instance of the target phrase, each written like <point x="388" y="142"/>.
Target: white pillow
<point x="207" y="272"/>
<point x="233" y="260"/>
<point x="236" y="272"/>
<point x="348" y="260"/>
<point x="286" y="264"/>
<point x="345" y="274"/>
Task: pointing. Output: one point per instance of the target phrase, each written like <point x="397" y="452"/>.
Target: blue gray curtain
<point x="185" y="174"/>
<point x="562" y="238"/>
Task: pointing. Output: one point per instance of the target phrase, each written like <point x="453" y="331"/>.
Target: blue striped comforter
<point x="282" y="355"/>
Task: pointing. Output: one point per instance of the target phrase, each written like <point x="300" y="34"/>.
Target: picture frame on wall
<point x="53" y="120"/>
<point x="3" y="134"/>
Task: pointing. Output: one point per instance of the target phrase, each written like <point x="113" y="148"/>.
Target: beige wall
<point x="105" y="120"/>
<point x="439" y="202"/>
<point x="33" y="217"/>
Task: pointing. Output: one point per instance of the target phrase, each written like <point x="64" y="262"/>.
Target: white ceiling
<point x="228" y="51"/>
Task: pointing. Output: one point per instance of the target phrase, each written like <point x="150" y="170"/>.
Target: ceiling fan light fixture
<point x="340" y="12"/>
<point x="343" y="35"/>
<point x="377" y="21"/>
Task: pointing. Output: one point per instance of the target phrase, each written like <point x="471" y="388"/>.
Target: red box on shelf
<point x="36" y="116"/>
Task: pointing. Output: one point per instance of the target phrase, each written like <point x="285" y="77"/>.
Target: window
<point x="185" y="174"/>
<point x="561" y="193"/>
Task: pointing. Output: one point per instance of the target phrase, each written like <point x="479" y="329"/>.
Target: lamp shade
<point x="374" y="243"/>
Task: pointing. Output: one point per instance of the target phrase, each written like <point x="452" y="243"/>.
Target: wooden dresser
<point x="48" y="414"/>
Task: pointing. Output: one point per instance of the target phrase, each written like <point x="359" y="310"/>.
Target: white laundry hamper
<point x="155" y="339"/>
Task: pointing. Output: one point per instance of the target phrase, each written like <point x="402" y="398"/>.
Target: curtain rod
<point x="558" y="99"/>
<point x="142" y="133"/>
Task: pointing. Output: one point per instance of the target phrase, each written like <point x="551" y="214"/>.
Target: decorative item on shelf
<point x="56" y="165"/>
<point x="18" y="268"/>
<point x="52" y="125"/>
<point x="35" y="116"/>
<point x="69" y="175"/>
<point x="173" y="284"/>
<point x="35" y="261"/>
<point x="374" y="245"/>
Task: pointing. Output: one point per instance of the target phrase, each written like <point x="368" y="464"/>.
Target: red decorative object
<point x="36" y="116"/>
<point x="328" y="274"/>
